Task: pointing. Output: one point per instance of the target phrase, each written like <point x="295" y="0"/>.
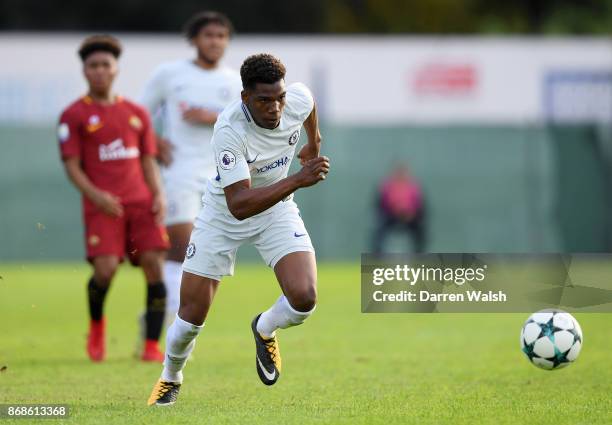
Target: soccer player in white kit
<point x="250" y="201"/>
<point x="189" y="94"/>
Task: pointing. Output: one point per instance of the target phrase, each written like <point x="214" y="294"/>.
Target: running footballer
<point x="251" y="200"/>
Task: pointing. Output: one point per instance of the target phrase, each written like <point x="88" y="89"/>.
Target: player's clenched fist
<point x="313" y="171"/>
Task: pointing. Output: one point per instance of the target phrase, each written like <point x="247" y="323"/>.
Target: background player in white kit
<point x="189" y="94"/>
<point x="250" y="200"/>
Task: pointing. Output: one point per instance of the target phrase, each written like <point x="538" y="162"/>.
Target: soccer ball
<point x="551" y="339"/>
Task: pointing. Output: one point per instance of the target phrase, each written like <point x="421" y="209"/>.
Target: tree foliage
<point x="318" y="16"/>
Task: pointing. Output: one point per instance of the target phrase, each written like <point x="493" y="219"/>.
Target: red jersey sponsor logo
<point x="115" y="150"/>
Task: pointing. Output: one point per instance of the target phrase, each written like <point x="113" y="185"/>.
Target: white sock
<point x="173" y="272"/>
<point x="180" y="341"/>
<point x="280" y="316"/>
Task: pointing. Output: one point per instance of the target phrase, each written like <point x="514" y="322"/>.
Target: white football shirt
<point x="243" y="150"/>
<point x="174" y="87"/>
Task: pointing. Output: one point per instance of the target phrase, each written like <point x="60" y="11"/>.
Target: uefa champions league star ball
<point x="551" y="339"/>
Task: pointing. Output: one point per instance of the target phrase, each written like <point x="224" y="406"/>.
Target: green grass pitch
<point x="341" y="367"/>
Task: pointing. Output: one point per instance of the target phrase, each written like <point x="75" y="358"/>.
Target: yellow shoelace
<point x="272" y="347"/>
<point x="164" y="387"/>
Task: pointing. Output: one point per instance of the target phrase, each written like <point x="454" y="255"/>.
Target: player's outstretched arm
<point x="106" y="202"/>
<point x="244" y="201"/>
<point x="313" y="147"/>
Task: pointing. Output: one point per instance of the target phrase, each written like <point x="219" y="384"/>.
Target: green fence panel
<point x="488" y="189"/>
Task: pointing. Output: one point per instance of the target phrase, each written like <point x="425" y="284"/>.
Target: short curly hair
<point x="198" y="21"/>
<point x="261" y="68"/>
<point x="96" y="43"/>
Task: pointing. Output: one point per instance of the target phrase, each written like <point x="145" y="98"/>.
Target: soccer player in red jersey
<point x="108" y="148"/>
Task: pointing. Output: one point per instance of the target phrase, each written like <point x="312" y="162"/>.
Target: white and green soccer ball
<point x="551" y="339"/>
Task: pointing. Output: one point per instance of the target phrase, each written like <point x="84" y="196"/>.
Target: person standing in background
<point x="400" y="204"/>
<point x="108" y="149"/>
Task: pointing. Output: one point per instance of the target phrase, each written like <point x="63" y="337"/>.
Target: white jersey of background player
<point x="250" y="202"/>
<point x="175" y="90"/>
<point x="189" y="94"/>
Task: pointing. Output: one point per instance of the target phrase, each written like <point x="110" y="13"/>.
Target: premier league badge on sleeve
<point x="63" y="132"/>
<point x="227" y="160"/>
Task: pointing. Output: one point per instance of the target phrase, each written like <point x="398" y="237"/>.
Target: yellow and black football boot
<point x="164" y="393"/>
<point x="267" y="356"/>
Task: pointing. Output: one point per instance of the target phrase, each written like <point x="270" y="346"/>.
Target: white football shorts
<point x="183" y="206"/>
<point x="184" y="189"/>
<point x="217" y="235"/>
